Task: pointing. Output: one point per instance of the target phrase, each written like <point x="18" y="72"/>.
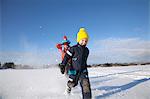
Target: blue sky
<point x="29" y="26"/>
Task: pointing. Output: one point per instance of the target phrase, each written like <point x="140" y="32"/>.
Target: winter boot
<point x="67" y="91"/>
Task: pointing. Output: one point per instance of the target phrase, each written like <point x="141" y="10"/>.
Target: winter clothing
<point x="79" y="55"/>
<point x="59" y="46"/>
<point x="63" y="52"/>
<point x="66" y="41"/>
<point x="62" y="68"/>
<point x="83" y="79"/>
<point x="82" y="34"/>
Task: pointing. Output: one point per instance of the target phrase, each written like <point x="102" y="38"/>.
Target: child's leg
<point x="73" y="81"/>
<point x="85" y="85"/>
<point x="70" y="84"/>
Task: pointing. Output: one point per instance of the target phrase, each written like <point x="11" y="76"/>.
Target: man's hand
<point x="62" y="68"/>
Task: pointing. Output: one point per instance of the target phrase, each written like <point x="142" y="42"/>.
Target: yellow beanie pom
<point x="82" y="34"/>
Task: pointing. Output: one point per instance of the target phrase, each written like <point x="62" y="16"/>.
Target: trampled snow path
<point x="121" y="82"/>
<point x="107" y="83"/>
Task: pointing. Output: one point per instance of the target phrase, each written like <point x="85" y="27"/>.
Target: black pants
<point x="83" y="78"/>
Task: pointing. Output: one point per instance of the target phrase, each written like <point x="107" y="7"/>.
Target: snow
<point x="121" y="82"/>
<point x="131" y="82"/>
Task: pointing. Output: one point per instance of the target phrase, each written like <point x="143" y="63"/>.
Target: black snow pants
<point x="83" y="79"/>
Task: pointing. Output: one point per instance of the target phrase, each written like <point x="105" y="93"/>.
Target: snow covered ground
<point x="132" y="82"/>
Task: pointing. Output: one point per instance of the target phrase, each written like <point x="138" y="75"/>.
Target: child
<point x="78" y="54"/>
<point x="65" y="44"/>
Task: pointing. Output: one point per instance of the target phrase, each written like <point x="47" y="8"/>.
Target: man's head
<point x="82" y="37"/>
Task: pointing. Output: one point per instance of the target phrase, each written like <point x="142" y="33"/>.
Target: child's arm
<point x="68" y="55"/>
<point x="87" y="55"/>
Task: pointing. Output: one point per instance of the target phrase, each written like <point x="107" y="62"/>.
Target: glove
<point x="62" y="68"/>
<point x="59" y="46"/>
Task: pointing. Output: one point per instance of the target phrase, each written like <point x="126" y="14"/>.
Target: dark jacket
<point x="78" y="55"/>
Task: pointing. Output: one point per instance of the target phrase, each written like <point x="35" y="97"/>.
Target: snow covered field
<point x="107" y="83"/>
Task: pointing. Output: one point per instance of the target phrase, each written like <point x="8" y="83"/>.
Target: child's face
<point x="83" y="42"/>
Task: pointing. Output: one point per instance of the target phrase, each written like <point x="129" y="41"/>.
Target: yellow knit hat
<point x="82" y="34"/>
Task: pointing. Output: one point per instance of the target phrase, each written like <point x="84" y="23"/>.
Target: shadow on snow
<point x="114" y="74"/>
<point x="116" y="89"/>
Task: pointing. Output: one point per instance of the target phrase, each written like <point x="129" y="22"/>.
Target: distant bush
<point x="7" y="65"/>
<point x="117" y="64"/>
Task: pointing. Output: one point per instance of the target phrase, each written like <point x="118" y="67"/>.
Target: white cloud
<point x="120" y="50"/>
